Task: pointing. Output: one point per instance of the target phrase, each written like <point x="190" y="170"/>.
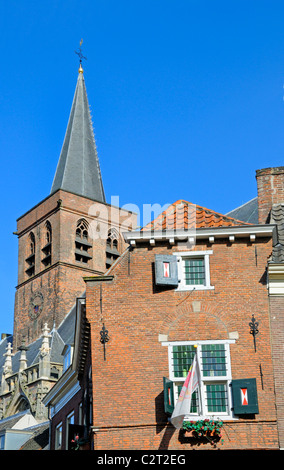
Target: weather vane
<point x="79" y="53"/>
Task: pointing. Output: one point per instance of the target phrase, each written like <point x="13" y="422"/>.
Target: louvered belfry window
<point x="30" y="260"/>
<point x="82" y="244"/>
<point x="112" y="247"/>
<point x="46" y="250"/>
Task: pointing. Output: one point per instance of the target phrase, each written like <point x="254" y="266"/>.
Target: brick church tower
<point x="71" y="234"/>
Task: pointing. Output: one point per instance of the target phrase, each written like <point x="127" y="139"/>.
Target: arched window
<point x="82" y="243"/>
<point x="48" y="234"/>
<point x="82" y="229"/>
<point x="30" y="260"/>
<point x="46" y="260"/>
<point x="112" y="247"/>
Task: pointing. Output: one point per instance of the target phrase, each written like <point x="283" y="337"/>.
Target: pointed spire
<point x="23" y="358"/>
<point x="7" y="369"/>
<point x="8" y="361"/>
<point x="44" y="357"/>
<point x="45" y="349"/>
<point x="78" y="169"/>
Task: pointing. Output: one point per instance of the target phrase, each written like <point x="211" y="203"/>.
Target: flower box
<point x="202" y="428"/>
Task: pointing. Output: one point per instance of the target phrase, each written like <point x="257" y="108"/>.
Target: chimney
<point x="270" y="191"/>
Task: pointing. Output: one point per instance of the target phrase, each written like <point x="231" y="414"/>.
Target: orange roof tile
<point x="184" y="215"/>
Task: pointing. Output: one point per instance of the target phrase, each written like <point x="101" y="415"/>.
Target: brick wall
<point x="270" y="190"/>
<point x="270" y="185"/>
<point x="128" y="408"/>
<point x="63" y="210"/>
<point x="277" y="330"/>
<point x="60" y="283"/>
<point x="58" y="287"/>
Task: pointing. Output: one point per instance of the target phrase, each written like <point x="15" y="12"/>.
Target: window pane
<point x="194" y="400"/>
<point x="194" y="271"/>
<point x="58" y="437"/>
<point x="216" y="397"/>
<point x="213" y="358"/>
<point x="182" y="359"/>
<point x="2" y="442"/>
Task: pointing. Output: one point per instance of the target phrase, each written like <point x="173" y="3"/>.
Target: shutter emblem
<point x="244" y="396"/>
<point x="244" y="392"/>
<point x="169" y="397"/>
<point x="166" y="269"/>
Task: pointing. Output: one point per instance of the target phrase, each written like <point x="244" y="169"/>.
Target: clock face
<point x="36" y="305"/>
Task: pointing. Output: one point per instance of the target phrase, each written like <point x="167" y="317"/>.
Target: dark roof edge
<point x="75" y="194"/>
<point x="242" y="205"/>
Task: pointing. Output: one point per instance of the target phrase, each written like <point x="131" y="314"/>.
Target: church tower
<point x="71" y="234"/>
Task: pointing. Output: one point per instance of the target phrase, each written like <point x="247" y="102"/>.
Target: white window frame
<point x="58" y="436"/>
<point x="2" y="442"/>
<point x="70" y="419"/>
<point x="204" y="380"/>
<point x="67" y="357"/>
<point x="81" y="414"/>
<point x="181" y="256"/>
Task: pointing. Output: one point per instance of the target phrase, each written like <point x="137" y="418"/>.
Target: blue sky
<point x="186" y="98"/>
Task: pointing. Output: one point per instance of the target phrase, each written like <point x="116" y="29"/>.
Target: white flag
<point x="183" y="405"/>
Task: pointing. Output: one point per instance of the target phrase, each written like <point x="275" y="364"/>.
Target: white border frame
<point x="204" y="380"/>
<point x="181" y="255"/>
<point x="58" y="436"/>
<point x="68" y="420"/>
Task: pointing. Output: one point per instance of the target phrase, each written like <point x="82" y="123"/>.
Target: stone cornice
<point x="231" y="233"/>
<point x="276" y="279"/>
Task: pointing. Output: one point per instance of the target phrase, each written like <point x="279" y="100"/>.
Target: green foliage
<point x="77" y="442"/>
<point x="204" y="427"/>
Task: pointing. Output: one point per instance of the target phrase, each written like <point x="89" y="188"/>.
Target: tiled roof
<point x="247" y="212"/>
<point x="184" y="215"/>
<point x="277" y="217"/>
<point x="40" y="438"/>
<point x="11" y="421"/>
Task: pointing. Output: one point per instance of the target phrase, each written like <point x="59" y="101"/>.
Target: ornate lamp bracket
<point x="253" y="329"/>
<point x="104" y="338"/>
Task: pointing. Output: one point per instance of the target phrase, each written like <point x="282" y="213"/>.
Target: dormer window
<point x="30" y="260"/>
<point x="82" y="244"/>
<point x="46" y="250"/>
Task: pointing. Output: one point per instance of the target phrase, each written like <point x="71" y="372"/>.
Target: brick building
<point x="70" y="400"/>
<point x="193" y="280"/>
<point x="270" y="182"/>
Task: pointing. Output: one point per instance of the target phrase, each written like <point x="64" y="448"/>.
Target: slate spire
<point x="78" y="169"/>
